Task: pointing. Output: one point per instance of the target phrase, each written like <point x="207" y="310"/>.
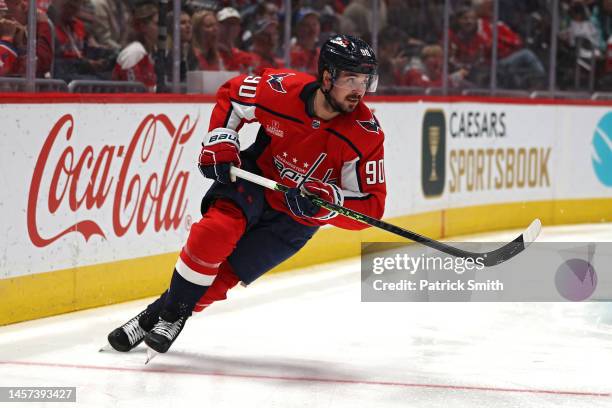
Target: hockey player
<point x="316" y="135"/>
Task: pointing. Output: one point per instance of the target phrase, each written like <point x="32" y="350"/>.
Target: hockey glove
<point x="302" y="206"/>
<point x="220" y="150"/>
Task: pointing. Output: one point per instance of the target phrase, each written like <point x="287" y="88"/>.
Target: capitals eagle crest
<point x="276" y="81"/>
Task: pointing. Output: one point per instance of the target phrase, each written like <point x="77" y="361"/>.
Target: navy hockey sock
<point x="182" y="297"/>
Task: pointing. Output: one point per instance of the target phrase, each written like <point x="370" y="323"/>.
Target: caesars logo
<point x="481" y="156"/>
<point x="602" y="150"/>
<point x="433" y="153"/>
<point x="484" y="156"/>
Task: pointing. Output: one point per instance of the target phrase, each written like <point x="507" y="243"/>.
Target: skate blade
<point x="106" y="347"/>
<point x="151" y="354"/>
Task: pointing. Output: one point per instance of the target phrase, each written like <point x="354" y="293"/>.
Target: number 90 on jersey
<point x="375" y="171"/>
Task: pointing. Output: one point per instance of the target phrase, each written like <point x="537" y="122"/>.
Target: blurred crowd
<point x="118" y="40"/>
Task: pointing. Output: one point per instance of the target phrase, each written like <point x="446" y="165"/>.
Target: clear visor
<point x="358" y="82"/>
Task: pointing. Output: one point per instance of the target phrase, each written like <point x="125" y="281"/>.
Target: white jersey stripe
<point x="239" y="112"/>
<point x="193" y="276"/>
<point x="350" y="180"/>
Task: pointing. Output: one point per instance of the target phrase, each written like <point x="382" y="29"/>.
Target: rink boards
<point x="98" y="192"/>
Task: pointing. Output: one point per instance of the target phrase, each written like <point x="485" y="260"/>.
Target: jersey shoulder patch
<point x="275" y="80"/>
<point x="370" y="125"/>
<point x="366" y="120"/>
<point x="284" y="81"/>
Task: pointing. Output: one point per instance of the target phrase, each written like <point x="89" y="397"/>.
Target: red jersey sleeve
<point x="363" y="183"/>
<point x="235" y="103"/>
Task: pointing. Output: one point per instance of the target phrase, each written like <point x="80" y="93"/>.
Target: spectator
<point x="265" y="44"/>
<point x="204" y="5"/>
<point x="305" y="53"/>
<point x="523" y="15"/>
<point x="580" y="26"/>
<point x="111" y="23"/>
<point x="43" y="5"/>
<point x="135" y="62"/>
<point x="205" y="54"/>
<point x="12" y="35"/>
<point x="467" y="48"/>
<point x="330" y="25"/>
<point x="603" y="22"/>
<point x="229" y="27"/>
<point x="87" y="16"/>
<point x="234" y="59"/>
<point x="359" y="12"/>
<point x="391" y="56"/>
<point x="602" y="18"/>
<point x="13" y="46"/>
<point x="430" y="76"/>
<point x="264" y="11"/>
<point x="267" y="11"/>
<point x="421" y="20"/>
<point x="75" y="58"/>
<point x="330" y="17"/>
<point x="186" y="35"/>
<point x="518" y="67"/>
<point x="579" y="40"/>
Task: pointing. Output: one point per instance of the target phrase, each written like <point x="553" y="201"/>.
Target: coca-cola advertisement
<point x="94" y="183"/>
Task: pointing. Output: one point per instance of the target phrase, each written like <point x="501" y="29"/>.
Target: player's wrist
<point x="222" y="135"/>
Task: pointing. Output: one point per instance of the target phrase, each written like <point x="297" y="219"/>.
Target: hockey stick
<point x="491" y="258"/>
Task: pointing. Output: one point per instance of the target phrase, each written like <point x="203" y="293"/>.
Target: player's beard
<point x="347" y="105"/>
<point x="352" y="101"/>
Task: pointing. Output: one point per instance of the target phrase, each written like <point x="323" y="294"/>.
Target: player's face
<point x="348" y="90"/>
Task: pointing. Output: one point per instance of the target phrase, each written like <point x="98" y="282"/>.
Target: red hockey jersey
<point x="348" y="148"/>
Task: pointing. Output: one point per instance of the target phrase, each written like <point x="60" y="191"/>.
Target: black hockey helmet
<point x="348" y="53"/>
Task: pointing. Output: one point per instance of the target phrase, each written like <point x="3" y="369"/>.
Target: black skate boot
<point x="165" y="331"/>
<point x="132" y="333"/>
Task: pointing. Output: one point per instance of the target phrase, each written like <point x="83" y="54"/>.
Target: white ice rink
<point x="304" y="339"/>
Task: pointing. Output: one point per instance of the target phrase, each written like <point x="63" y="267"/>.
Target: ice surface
<point x="304" y="339"/>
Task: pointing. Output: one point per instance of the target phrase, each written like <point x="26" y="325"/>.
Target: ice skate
<point x="165" y="331"/>
<point x="132" y="333"/>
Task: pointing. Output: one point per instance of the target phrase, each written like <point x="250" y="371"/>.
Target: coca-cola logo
<point x="108" y="175"/>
